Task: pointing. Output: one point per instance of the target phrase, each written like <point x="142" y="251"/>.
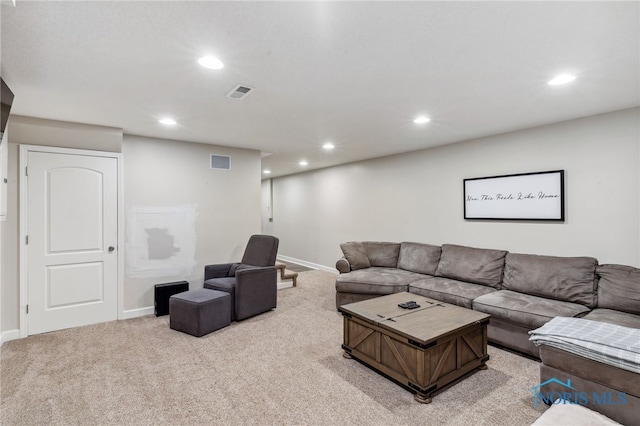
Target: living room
<point x="413" y="192"/>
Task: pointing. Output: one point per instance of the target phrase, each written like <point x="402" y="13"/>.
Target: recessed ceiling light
<point x="328" y="146"/>
<point x="562" y="79"/>
<point x="168" y="121"/>
<point x="211" y="62"/>
<point x="303" y="163"/>
<point x="267" y="172"/>
<point x="422" y="119"/>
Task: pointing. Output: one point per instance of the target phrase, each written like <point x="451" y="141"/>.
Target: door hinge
<point x="27" y="308"/>
<point x="26" y="171"/>
<point x="26" y="240"/>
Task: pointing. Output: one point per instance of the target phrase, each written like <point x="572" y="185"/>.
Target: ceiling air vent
<point x="239" y="92"/>
<point x="221" y="162"/>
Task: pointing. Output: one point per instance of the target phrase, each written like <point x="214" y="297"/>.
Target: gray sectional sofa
<point x="520" y="291"/>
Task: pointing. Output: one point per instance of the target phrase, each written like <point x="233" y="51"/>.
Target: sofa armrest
<point x="217" y="271"/>
<point x="343" y="266"/>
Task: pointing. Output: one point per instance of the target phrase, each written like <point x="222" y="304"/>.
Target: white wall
<point x="418" y="196"/>
<point x="9" y="284"/>
<point x="163" y="173"/>
<point x="63" y="134"/>
<point x="4" y="156"/>
<point x="266" y="207"/>
<point x="156" y="173"/>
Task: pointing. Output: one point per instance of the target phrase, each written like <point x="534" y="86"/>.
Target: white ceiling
<point x="355" y="73"/>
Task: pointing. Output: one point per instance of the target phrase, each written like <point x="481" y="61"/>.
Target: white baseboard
<point x="285" y="284"/>
<point x="135" y="313"/>
<point x="307" y="264"/>
<point x="9" y="335"/>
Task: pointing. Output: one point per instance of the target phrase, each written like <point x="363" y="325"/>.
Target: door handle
<point x="111" y="249"/>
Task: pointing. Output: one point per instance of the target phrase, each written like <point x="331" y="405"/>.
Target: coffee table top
<point x="431" y="321"/>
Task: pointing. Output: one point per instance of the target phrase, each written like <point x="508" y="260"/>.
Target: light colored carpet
<point x="281" y="367"/>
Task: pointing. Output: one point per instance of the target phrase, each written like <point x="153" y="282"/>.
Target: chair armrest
<point x="343" y="266"/>
<point x="217" y="271"/>
<point x="256" y="276"/>
<point x="256" y="290"/>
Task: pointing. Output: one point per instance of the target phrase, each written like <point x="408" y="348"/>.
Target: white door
<point x="72" y="240"/>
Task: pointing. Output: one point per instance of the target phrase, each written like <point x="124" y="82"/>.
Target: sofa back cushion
<point x="619" y="288"/>
<point x="382" y="254"/>
<point x="474" y="265"/>
<point x="420" y="258"/>
<point x="571" y="279"/>
<point x="356" y="254"/>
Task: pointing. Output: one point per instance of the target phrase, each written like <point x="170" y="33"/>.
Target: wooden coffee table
<point x="421" y="349"/>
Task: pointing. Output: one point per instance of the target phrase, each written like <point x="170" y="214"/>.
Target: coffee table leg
<point x="346" y="355"/>
<point x="483" y="367"/>
<point x="422" y="398"/>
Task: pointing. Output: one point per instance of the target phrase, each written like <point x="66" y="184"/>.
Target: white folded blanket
<point x="607" y="343"/>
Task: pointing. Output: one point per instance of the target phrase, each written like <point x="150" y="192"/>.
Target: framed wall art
<point x="525" y="196"/>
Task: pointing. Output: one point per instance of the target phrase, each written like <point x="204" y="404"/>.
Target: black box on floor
<point x="163" y="292"/>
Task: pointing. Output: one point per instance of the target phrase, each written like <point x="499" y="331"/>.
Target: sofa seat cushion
<point x="375" y="280"/>
<point x="614" y="317"/>
<point x="569" y="279"/>
<point x="474" y="265"/>
<point x="449" y="291"/>
<point x="525" y="310"/>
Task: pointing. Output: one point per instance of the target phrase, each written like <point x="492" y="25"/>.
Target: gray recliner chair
<point x="252" y="283"/>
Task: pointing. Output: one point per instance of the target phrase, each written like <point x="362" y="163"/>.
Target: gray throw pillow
<point x="619" y="288"/>
<point x="356" y="255"/>
<point x="471" y="264"/>
<point x="568" y="279"/>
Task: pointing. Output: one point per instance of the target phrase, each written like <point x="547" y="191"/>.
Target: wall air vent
<point x="220" y="162"/>
<point x="239" y="92"/>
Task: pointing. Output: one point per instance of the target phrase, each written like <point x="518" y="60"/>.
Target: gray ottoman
<point x="199" y="312"/>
